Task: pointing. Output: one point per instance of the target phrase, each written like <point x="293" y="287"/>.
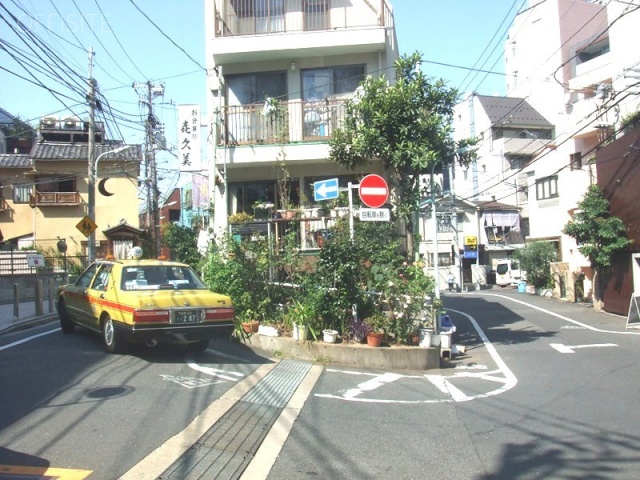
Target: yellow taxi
<point x="145" y="301"/>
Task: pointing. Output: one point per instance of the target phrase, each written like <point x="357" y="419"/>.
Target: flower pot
<point x="300" y="332"/>
<point x="425" y="337"/>
<point x="329" y="336"/>
<point x="374" y="339"/>
<point x="250" y="327"/>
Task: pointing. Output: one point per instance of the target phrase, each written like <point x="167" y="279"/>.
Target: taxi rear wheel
<point x="110" y="336"/>
<point x="66" y="325"/>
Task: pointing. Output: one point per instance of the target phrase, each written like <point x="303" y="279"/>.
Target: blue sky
<point x="455" y="37"/>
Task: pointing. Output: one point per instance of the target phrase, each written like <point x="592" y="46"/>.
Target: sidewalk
<point x="26" y="315"/>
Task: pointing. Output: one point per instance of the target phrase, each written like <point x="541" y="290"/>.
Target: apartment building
<point x="280" y="72"/>
<point x="572" y="63"/>
<point x="45" y="191"/>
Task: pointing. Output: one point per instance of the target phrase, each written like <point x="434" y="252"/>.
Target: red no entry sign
<point x="373" y="191"/>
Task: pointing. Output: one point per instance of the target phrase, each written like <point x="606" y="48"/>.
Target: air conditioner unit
<point x="49" y="122"/>
<point x="71" y="123"/>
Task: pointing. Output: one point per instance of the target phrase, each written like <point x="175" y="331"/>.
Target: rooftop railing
<point x="253" y="17"/>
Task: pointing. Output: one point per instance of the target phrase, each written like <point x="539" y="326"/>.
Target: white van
<point x="508" y="272"/>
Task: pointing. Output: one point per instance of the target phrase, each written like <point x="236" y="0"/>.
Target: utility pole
<point x="148" y="91"/>
<point x="91" y="173"/>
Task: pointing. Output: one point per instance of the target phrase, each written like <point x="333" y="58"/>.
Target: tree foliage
<point x="182" y="241"/>
<point x="407" y="125"/>
<point x="598" y="233"/>
<point x="535" y="259"/>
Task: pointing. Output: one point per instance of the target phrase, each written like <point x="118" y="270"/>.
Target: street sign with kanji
<point x="375" y="214"/>
<point x="373" y="190"/>
<point x="325" y="189"/>
<point x="86" y="226"/>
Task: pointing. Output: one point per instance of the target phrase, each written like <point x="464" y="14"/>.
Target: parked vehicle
<point x="145" y="301"/>
<point x="508" y="272"/>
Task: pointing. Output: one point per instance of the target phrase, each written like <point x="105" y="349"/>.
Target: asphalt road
<point x="545" y="390"/>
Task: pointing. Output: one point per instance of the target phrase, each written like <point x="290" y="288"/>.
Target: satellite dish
<point x="103" y="189"/>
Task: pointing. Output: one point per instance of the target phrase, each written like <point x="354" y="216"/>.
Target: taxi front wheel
<point x="66" y="325"/>
<point x="112" y="342"/>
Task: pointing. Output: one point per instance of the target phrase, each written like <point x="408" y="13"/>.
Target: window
<point x="22" y="193"/>
<point x="444" y="259"/>
<point x="44" y="184"/>
<point x="444" y="223"/>
<point x="255" y="87"/>
<point x="315" y="14"/>
<point x="576" y="161"/>
<point x="547" y="187"/>
<point x="321" y="83"/>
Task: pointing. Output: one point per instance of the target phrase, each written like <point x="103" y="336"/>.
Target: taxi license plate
<point x="187" y="316"/>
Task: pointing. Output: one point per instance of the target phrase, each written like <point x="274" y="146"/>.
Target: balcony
<point x="309" y="28"/>
<point x="597" y="70"/>
<point x="58" y="199"/>
<point x="520" y="146"/>
<point x="294" y="122"/>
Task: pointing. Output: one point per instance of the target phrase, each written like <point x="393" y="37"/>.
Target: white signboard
<point x="375" y="214"/>
<point x="189" y="138"/>
<point x="35" y="260"/>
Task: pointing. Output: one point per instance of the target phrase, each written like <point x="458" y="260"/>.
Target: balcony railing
<point x="291" y="122"/>
<point x="61" y="199"/>
<point x="253" y="17"/>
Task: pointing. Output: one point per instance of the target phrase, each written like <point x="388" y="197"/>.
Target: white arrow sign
<point x="326" y="189"/>
<point x="571" y="348"/>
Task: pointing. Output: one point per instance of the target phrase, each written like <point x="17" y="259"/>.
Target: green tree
<point x="599" y="235"/>
<point x="535" y="259"/>
<point x="182" y="241"/>
<point x="407" y="125"/>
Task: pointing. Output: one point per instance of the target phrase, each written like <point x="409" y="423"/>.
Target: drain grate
<point x="276" y="388"/>
<point x="230" y="444"/>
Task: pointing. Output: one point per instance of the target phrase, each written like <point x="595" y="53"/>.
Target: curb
<point x="28" y="323"/>
<point x="353" y="355"/>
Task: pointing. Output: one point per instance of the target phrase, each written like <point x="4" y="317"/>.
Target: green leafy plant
<point x="240" y="217"/>
<point x="183" y="243"/>
<point x="535" y="259"/>
<point x="599" y="235"/>
<point x="407" y="125"/>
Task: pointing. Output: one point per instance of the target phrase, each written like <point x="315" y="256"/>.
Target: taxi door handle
<point x="102" y="296"/>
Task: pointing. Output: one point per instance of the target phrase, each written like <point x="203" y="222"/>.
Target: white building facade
<point x="279" y="74"/>
<point x="574" y="63"/>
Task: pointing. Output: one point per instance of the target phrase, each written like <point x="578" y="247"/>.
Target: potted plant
<point x="249" y="322"/>
<point x="376" y="322"/>
<point x="262" y="209"/>
<point x="329" y="335"/>
<point x="301" y="314"/>
<point x="287" y="210"/>
<point x="240" y="217"/>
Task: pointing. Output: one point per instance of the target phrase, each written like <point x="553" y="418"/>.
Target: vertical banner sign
<point x="189" y="139"/>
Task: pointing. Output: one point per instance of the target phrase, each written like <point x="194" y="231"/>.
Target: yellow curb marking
<point x="56" y="473"/>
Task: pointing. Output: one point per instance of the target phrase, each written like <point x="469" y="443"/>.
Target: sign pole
<point x="351" y="231"/>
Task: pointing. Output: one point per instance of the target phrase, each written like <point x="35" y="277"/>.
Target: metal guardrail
<point x="14" y="263"/>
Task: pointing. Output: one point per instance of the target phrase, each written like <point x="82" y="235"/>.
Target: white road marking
<point x="190" y="382"/>
<point x="28" y="339"/>
<point x="557" y="315"/>
<point x="571" y="348"/>
<point x="216" y="372"/>
<point x="502" y="375"/>
<point x="372" y="384"/>
<point x="446" y="387"/>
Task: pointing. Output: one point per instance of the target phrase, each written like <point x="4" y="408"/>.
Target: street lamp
<point x="91" y="197"/>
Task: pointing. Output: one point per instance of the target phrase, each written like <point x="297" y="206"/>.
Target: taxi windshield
<point x="154" y="277"/>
